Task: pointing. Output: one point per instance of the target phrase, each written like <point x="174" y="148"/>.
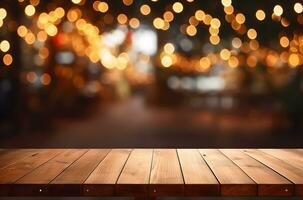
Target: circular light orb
<point x="145" y="9"/>
<point x="260" y="15"/>
<point x="252" y="34"/>
<point x="29" y="10"/>
<point x="177" y="7"/>
<point x="278" y="10"/>
<point x="298" y="8"/>
<point x="4" y="46"/>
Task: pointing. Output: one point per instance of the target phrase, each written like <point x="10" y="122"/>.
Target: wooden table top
<point x="151" y="172"/>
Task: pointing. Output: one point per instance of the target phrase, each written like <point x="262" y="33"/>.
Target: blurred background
<point x="151" y="73"/>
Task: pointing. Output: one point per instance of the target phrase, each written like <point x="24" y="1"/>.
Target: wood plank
<point x="198" y="178"/>
<point x="290" y="172"/>
<point x="134" y="178"/>
<point x="51" y="169"/>
<point x="13" y="172"/>
<point x="233" y="181"/>
<point x="69" y="182"/>
<point x="291" y="157"/>
<point x="269" y="182"/>
<point x="166" y="176"/>
<point x="102" y="180"/>
<point x="10" y="156"/>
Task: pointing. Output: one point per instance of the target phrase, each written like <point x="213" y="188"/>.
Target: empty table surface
<point x="151" y="172"/>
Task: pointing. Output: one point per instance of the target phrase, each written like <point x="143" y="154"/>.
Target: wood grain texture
<point x="103" y="179"/>
<point x="134" y="178"/>
<point x="10" y="156"/>
<point x="15" y="171"/>
<point x="291" y="157"/>
<point x="166" y="176"/>
<point x="269" y="182"/>
<point x="70" y="181"/>
<point x="290" y="172"/>
<point x="198" y="178"/>
<point x="233" y="181"/>
<point x="148" y="173"/>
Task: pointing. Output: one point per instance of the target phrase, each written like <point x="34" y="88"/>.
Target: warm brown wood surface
<point x="151" y="172"/>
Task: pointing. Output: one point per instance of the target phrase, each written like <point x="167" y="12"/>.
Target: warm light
<point x="51" y="30"/>
<point x="166" y="61"/>
<point x="22" y="31"/>
<point x="205" y="63"/>
<point x="252" y="34"/>
<point x="145" y="9"/>
<point x="30" y="10"/>
<point x="236" y="43"/>
<point x="229" y="10"/>
<point x="158" y="23"/>
<point x="278" y="10"/>
<point x="76" y="1"/>
<point x="294" y="60"/>
<point x="103" y="7"/>
<point x="251" y="61"/>
<point x="240" y="18"/>
<point x="215" y="23"/>
<point x="45" y="79"/>
<point x="128" y="2"/>
<point x="169" y="48"/>
<point x="199" y="14"/>
<point x="191" y="30"/>
<point x="178" y="7"/>
<point x="260" y="15"/>
<point x="168" y="16"/>
<point x="284" y="42"/>
<point x="225" y="54"/>
<point x="3" y="13"/>
<point x="122" y="18"/>
<point x="7" y="59"/>
<point x="30" y="38"/>
<point x="4" y="46"/>
<point x="214" y="39"/>
<point x="233" y="62"/>
<point x="298" y="8"/>
<point x="134" y="23"/>
<point x="226" y="3"/>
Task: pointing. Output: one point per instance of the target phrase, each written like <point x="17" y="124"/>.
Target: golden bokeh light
<point x="199" y="14"/>
<point x="240" y="18"/>
<point x="191" y="30"/>
<point x="214" y="39"/>
<point x="29" y="10"/>
<point x="3" y="13"/>
<point x="158" y="23"/>
<point x="284" y="41"/>
<point x="294" y="60"/>
<point x="233" y="62"/>
<point x="298" y="8"/>
<point x="134" y="23"/>
<point x="278" y="10"/>
<point x="169" y="48"/>
<point x="4" y="46"/>
<point x="145" y="9"/>
<point x="226" y="3"/>
<point x="260" y="15"/>
<point x="168" y="16"/>
<point x="225" y="54"/>
<point x="177" y="7"/>
<point x="252" y="34"/>
<point x="166" y="61"/>
<point x="7" y="59"/>
<point x="122" y="18"/>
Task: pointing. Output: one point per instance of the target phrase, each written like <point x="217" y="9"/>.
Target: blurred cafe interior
<point x="151" y="73"/>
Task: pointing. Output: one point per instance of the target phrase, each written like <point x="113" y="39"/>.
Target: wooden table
<point x="150" y="173"/>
